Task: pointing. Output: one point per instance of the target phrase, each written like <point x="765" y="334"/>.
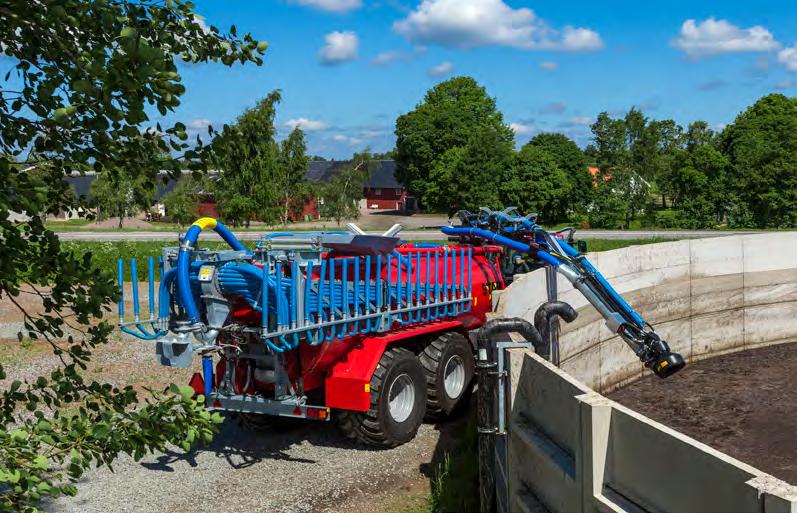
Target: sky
<point x="348" y="68"/>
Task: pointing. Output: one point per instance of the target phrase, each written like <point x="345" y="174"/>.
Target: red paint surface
<point x="347" y="379"/>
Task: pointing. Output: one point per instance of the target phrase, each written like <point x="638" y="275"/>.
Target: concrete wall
<point x="573" y="450"/>
<point x="705" y="297"/>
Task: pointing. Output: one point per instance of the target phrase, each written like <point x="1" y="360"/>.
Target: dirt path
<point x="742" y="404"/>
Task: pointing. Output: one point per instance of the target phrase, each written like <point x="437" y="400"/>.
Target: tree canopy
<point x="452" y="117"/>
<point x="246" y="156"/>
<point x="761" y="145"/>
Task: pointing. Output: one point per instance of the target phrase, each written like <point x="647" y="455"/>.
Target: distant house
<point x="381" y="191"/>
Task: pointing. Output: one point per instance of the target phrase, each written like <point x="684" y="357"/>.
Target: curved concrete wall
<point x="705" y="297"/>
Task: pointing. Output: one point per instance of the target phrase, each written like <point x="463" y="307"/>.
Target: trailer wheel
<point x="398" y="389"/>
<point x="448" y="364"/>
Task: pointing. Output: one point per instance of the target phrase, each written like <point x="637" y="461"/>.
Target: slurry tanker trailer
<point x="367" y="329"/>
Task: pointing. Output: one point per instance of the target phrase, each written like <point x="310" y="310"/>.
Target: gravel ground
<point x="311" y="468"/>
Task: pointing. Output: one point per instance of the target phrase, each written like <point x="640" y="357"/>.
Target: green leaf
<point x="128" y="32"/>
<point x="40" y="462"/>
<point x="186" y="392"/>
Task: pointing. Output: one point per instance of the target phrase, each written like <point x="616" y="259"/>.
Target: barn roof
<point x="383" y="173"/>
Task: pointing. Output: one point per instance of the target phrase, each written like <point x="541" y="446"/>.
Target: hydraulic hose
<point x="542" y="321"/>
<point x="183" y="260"/>
<point x="500" y="239"/>
<point x="514" y="325"/>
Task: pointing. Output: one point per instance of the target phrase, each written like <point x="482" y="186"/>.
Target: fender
<point x="348" y="383"/>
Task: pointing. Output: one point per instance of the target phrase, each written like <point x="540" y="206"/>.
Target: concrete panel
<point x="716" y="257"/>
<point x="717" y="293"/>
<point x="717" y="333"/>
<point x="586" y="366"/>
<point x="618" y="364"/>
<point x="661" y="470"/>
<point x="770" y="287"/>
<point x="577" y="339"/>
<point x="619" y="460"/>
<point x="770" y="323"/>
<point x="769" y="251"/>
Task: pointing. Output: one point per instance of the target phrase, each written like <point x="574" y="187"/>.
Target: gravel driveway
<point x="310" y="468"/>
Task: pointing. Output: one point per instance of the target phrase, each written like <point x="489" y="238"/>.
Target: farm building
<point x="380" y="192"/>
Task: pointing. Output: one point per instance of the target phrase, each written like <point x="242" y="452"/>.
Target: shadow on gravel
<point x="244" y="446"/>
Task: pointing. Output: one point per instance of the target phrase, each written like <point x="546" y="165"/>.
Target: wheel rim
<point x="401" y="398"/>
<point x="454" y="376"/>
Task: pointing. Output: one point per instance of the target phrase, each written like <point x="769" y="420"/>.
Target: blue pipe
<point x="183" y="260"/>
<point x="207" y="374"/>
<point x="500" y="239"/>
<point x="571" y="251"/>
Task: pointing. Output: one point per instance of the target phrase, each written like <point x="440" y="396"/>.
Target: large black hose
<point x="542" y="321"/>
<point x="487" y="409"/>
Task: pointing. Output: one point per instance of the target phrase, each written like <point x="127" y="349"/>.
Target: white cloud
<point x="331" y="5"/>
<point x="788" y="57"/>
<point x="713" y="36"/>
<point x="786" y="84"/>
<point x="308" y="125"/>
<point x="582" y="121"/>
<point x="580" y="40"/>
<point x="340" y="47"/>
<point x="198" y="124"/>
<point x="474" y="23"/>
<point x="353" y="141"/>
<point x="522" y="128"/>
<point x="549" y="65"/>
<point x="388" y="57"/>
<point x="444" y="68"/>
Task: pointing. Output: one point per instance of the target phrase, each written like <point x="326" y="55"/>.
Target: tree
<point x="85" y="75"/>
<point x="471" y="176"/>
<point x="609" y="140"/>
<point x="449" y="116"/>
<point x="537" y="184"/>
<point x="342" y="195"/>
<point x="182" y="202"/>
<point x="121" y="193"/>
<point x="247" y="159"/>
<point x="291" y="188"/>
<point x="569" y="158"/>
<point x="608" y="208"/>
<point x="761" y="145"/>
<point x="698" y="134"/>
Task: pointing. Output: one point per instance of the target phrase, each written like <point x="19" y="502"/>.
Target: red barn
<point x="380" y="192"/>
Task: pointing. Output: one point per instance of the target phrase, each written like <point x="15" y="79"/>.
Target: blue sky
<point x="347" y="68"/>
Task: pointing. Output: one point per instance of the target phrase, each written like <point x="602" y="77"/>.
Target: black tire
<point x="437" y="357"/>
<point x="377" y="426"/>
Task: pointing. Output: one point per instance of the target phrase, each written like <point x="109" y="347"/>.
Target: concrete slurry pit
<point x="741" y="404"/>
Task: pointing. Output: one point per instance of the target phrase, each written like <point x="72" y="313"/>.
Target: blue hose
<point x="183" y="259"/>
<point x="500" y="239"/>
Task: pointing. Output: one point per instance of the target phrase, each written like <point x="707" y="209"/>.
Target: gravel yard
<point x="310" y="468"/>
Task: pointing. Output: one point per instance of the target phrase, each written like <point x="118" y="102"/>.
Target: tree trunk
<point x="663" y="201"/>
